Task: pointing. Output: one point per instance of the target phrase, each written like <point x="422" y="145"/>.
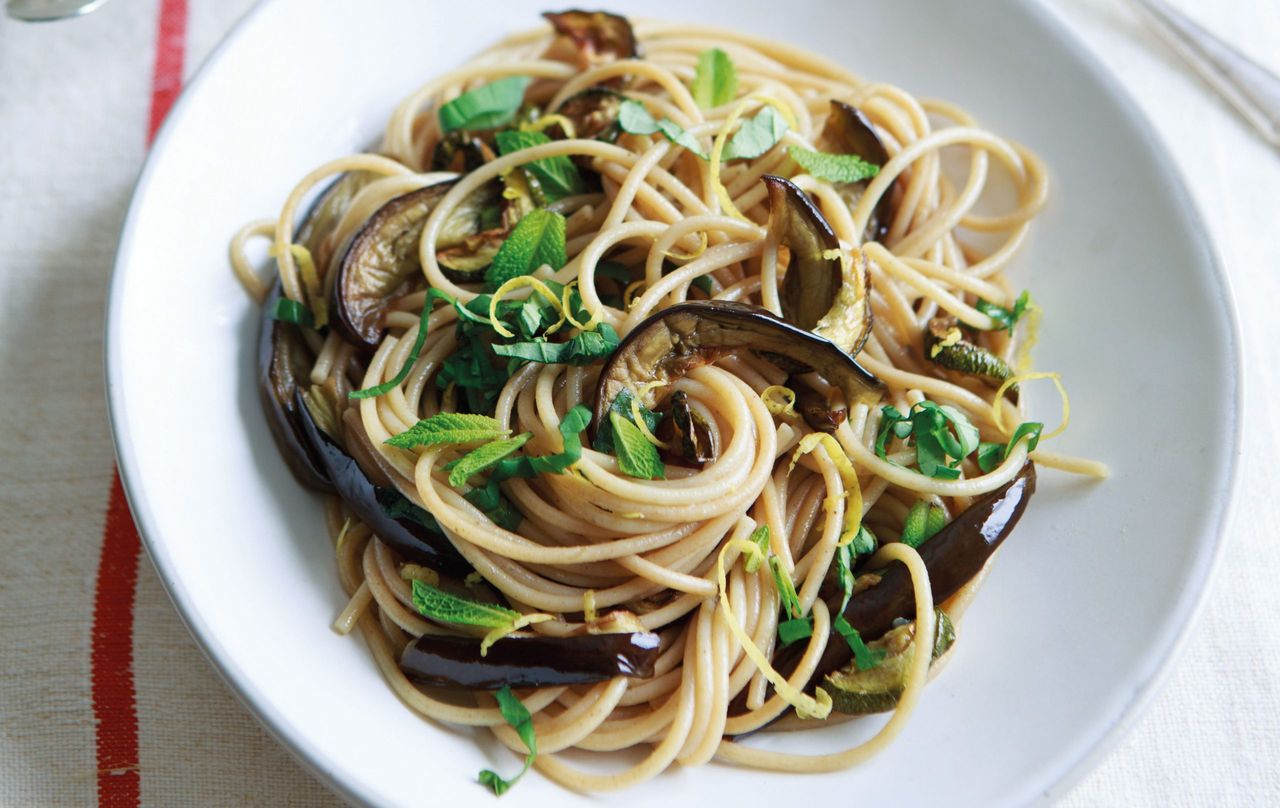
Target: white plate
<point x="1081" y="614"/>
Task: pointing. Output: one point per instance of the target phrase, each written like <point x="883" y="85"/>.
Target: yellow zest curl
<point x="566" y="308"/>
<point x="636" y="417"/>
<point x="703" y="242"/>
<point x="1029" y="338"/>
<point x="997" y="409"/>
<point x="515" y="283"/>
<point x="515" y="625"/>
<point x="547" y="121"/>
<point x="417" y="572"/>
<point x="852" y="489"/>
<point x="806" y="706"/>
<point x="632" y="291"/>
<point x="722" y="137"/>
<point x="779" y="401"/>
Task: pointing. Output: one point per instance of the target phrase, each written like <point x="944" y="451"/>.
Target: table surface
<point x="74" y="101"/>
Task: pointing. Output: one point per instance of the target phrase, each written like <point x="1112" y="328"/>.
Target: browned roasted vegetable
<point x="675" y="340"/>
<point x="460" y="152"/>
<point x="818" y="411"/>
<point x="316" y="232"/>
<point x="689" y="436"/>
<point x="594" y="113"/>
<point x="847" y="131"/>
<point x="283" y="366"/>
<point x="825" y="289"/>
<point x="535" y="661"/>
<point x="945" y="345"/>
<point x="597" y="36"/>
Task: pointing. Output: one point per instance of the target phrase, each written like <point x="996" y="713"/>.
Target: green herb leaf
<point x="990" y="456"/>
<point x="557" y="175"/>
<point x="923" y="523"/>
<point x="436" y="604"/>
<point x="575" y="420"/>
<point x="703" y="283"/>
<point x="538" y="239"/>
<point x="447" y="428"/>
<point x="633" y="117"/>
<point x="398" y="506"/>
<point x="414" y="352"/>
<point x="715" y="82"/>
<point x="863" y="657"/>
<point x="673" y="132"/>
<point x="845" y="556"/>
<point x="288" y="310"/>
<point x="485" y="107"/>
<point x="517" y="715"/>
<point x="498" y="508"/>
<point x="484" y="457"/>
<point x="864" y="542"/>
<point x="583" y="349"/>
<point x="786" y="587"/>
<point x="756" y="136"/>
<point x="1005" y="318"/>
<point x="637" y="457"/>
<point x="941" y="434"/>
<point x="833" y="167"/>
<point x="799" y="628"/>
<point x="621" y="404"/>
<point x="760" y="538"/>
<point x="614" y="271"/>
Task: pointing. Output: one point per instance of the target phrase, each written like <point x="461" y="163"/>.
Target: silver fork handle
<point x="1249" y="87"/>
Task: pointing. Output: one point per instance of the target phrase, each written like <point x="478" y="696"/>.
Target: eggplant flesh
<point x="597" y="36"/>
<point x="415" y="542"/>
<point x="824" y="290"/>
<point x="675" y="340"/>
<point x="284" y="360"/>
<point x="532" y="661"/>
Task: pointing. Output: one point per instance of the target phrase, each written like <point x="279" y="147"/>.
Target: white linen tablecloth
<point x="74" y="104"/>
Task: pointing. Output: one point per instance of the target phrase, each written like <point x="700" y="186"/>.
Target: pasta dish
<point x="664" y="385"/>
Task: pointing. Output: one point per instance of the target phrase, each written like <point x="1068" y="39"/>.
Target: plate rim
<point x="1189" y="607"/>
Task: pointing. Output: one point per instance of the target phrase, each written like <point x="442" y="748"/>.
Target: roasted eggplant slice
<point x="535" y="661"/>
<point x="945" y="346"/>
<point x="460" y="152"/>
<point x="690" y="438"/>
<point x="283" y="365"/>
<point x="818" y="411"/>
<point x="597" y="36"/>
<point x="825" y="289"/>
<point x="847" y="131"/>
<point x="878" y="689"/>
<point x="380" y="258"/>
<point x="415" y="541"/>
<point x="316" y="231"/>
<point x="594" y="113"/>
<point x="677" y="339"/>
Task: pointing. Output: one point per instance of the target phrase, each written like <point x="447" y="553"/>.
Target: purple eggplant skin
<point x="953" y="556"/>
<point x="534" y="661"/>
<point x="415" y="542"/>
<point x="847" y="131"/>
<point x="281" y="355"/>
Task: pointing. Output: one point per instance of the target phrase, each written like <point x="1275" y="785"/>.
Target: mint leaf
<point x="941" y="434"/>
<point x="1005" y="318"/>
<point x="760" y="538"/>
<point x="517" y="715"/>
<point x="990" y="456"/>
<point x="715" y="82"/>
<point x="583" y="349"/>
<point x="798" y="628"/>
<point x="558" y="175"/>
<point x="398" y="506"/>
<point x="485" y="107"/>
<point x="672" y="131"/>
<point x="538" y="239"/>
<point x="637" y="457"/>
<point x="436" y="604"/>
<point x="864" y="542"/>
<point x="786" y="587"/>
<point x="923" y="523"/>
<point x="833" y="167"/>
<point x="498" y="508"/>
<point x="575" y="420"/>
<point x="863" y="657"/>
<point x="288" y="310"/>
<point x="633" y="117"/>
<point x="756" y="136"/>
<point x="414" y="352"/>
<point x="447" y="428"/>
<point x="621" y="404"/>
<point x="477" y="460"/>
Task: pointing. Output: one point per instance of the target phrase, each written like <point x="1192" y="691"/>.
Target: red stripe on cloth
<point x="111" y="659"/>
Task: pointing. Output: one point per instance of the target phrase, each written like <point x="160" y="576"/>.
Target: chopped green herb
<point x="485" y="107"/>
<point x="575" y="420"/>
<point x="715" y="82"/>
<point x="614" y="271"/>
<point x="398" y="506"/>
<point x="756" y="136"/>
<point x="447" y="428"/>
<point x="941" y="434"/>
<point x="637" y="457"/>
<point x="558" y="176"/>
<point x="923" y="523"/>
<point x="517" y="715"/>
<point x="621" y="404"/>
<point x="991" y="455"/>
<point x="786" y="587"/>
<point x="498" y="508"/>
<point x="538" y="239"/>
<point x="798" y="628"/>
<point x="414" y="352"/>
<point x="760" y="538"/>
<point x="484" y="457"/>
<point x="436" y="604"/>
<point x="677" y="135"/>
<point x="288" y="310"/>
<point x="703" y="283"/>
<point x="863" y="657"/>
<point x="633" y="117"/>
<point x="583" y="349"/>
<point x="833" y="167"/>
<point x="864" y="541"/>
<point x="1005" y="318"/>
